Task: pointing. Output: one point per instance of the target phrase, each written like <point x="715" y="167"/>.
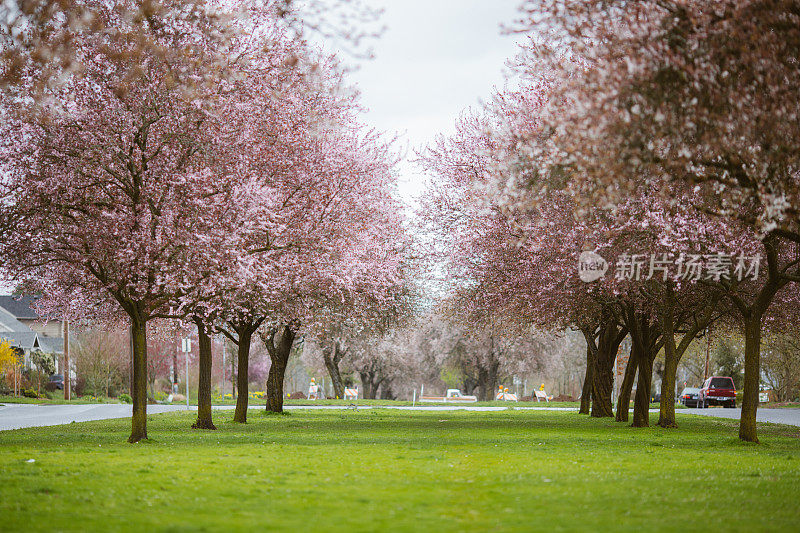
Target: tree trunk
<point x="602" y="385"/>
<point x="279" y="357"/>
<point x="332" y="364"/>
<point x="624" y="399"/>
<point x="641" y="403"/>
<point x="243" y="355"/>
<point x="365" y="384"/>
<point x="386" y="391"/>
<point x="204" y="420"/>
<point x="277" y="372"/>
<point x="666" y="414"/>
<point x="752" y="374"/>
<point x="139" y="385"/>
<point x="588" y="380"/>
<point x="603" y="375"/>
<point x="484" y="392"/>
<point x="370" y="381"/>
<point x="493" y="377"/>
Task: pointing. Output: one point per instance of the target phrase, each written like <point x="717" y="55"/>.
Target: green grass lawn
<point x="382" y="470"/>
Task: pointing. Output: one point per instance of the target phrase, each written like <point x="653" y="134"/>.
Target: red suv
<point x="718" y="390"/>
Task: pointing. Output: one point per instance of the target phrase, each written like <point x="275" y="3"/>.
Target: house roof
<point x="18" y="334"/>
<point x="51" y="344"/>
<point x="27" y="340"/>
<point x="8" y="322"/>
<point x="19" y="306"/>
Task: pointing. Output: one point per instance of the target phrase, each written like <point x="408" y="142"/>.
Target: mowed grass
<point x="382" y="470"/>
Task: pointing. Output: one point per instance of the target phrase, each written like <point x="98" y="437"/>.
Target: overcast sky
<point x="435" y="59"/>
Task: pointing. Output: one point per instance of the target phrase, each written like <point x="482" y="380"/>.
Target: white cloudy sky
<point x="435" y="59"/>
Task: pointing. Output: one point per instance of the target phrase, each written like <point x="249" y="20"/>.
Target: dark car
<point x="690" y="397"/>
<point x="719" y="390"/>
<point x="57" y="381"/>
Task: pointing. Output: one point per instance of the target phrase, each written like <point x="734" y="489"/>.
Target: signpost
<point x="186" y="345"/>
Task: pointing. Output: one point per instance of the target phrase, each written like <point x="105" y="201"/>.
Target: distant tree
<point x="728" y="362"/>
<point x="10" y="359"/>
<point x="781" y="365"/>
<point x="44" y="364"/>
<point x="102" y="360"/>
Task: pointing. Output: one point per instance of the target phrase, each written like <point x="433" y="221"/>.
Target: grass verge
<point x="399" y="471"/>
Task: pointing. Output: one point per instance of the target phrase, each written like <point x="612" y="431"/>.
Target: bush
<point x="80" y="386"/>
<point x="125" y="398"/>
<point x="29" y="393"/>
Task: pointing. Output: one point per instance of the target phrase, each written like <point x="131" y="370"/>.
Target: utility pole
<point x="130" y="335"/>
<point x="233" y="379"/>
<point x="186" y="344"/>
<point x="67" y="373"/>
<point x="708" y="352"/>
<point x="224" y="349"/>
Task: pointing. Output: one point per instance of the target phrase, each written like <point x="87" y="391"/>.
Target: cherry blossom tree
<point x="691" y="92"/>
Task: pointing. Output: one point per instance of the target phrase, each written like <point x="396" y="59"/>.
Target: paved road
<point x="15" y="416"/>
<point x="776" y="416"/>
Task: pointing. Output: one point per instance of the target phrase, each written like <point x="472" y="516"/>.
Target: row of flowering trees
<point x="658" y="136"/>
<point x="218" y="175"/>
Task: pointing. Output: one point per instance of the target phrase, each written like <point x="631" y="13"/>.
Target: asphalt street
<point x="776" y="416"/>
<point x="15" y="416"/>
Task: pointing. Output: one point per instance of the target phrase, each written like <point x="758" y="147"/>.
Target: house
<point x="20" y="326"/>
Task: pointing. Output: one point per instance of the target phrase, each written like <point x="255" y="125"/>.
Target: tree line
<point x="202" y="162"/>
<point x="657" y="140"/>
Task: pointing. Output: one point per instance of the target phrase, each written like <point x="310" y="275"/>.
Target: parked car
<point x="57" y="381"/>
<point x="690" y="397"/>
<point x="719" y="390"/>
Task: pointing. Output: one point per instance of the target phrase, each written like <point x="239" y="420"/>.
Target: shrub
<point x="125" y="398"/>
<point x="80" y="386"/>
<point x="29" y="393"/>
<point x="160" y="396"/>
